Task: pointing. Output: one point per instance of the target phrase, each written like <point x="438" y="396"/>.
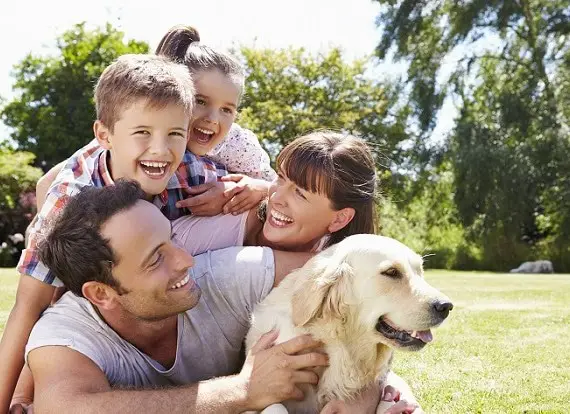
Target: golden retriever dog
<point x="362" y="297"/>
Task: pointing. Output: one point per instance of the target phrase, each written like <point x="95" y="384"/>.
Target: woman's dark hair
<point x="339" y="166"/>
<point x="182" y="44"/>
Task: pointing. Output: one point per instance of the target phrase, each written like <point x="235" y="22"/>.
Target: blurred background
<point x="466" y="104"/>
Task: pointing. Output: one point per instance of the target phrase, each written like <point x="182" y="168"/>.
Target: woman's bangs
<point x="307" y="169"/>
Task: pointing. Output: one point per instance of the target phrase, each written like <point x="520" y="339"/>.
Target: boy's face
<point x="217" y="97"/>
<point x="147" y="144"/>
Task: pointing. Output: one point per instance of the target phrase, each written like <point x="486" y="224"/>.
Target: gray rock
<point x="540" y="266"/>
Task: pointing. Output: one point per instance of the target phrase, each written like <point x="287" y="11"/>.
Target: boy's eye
<point x="142" y="132"/>
<point x="229" y="111"/>
<point x="178" y="134"/>
<point x="300" y="194"/>
<point x="200" y="101"/>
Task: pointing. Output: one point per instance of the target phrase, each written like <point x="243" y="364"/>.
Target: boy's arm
<point x="35" y="289"/>
<point x="32" y="298"/>
<point x="199" y="180"/>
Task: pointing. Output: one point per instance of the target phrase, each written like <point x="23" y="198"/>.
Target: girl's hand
<point x="245" y="195"/>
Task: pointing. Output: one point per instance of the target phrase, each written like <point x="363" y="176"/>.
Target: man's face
<point x="150" y="267"/>
<point x="147" y="144"/>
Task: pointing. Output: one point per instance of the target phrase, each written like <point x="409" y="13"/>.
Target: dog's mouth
<point x="403" y="338"/>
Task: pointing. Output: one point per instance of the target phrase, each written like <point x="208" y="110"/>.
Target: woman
<point x="324" y="192"/>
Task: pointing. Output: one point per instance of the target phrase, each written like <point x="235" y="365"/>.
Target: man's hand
<point x="245" y="195"/>
<point x="205" y="199"/>
<point x="271" y="374"/>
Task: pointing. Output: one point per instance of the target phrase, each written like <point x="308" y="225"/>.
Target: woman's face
<point x="297" y="219"/>
<point x="215" y="110"/>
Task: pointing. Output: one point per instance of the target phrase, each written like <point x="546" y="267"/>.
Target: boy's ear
<point x="342" y="218"/>
<point x="102" y="134"/>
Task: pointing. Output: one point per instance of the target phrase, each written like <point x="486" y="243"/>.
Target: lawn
<point x="504" y="349"/>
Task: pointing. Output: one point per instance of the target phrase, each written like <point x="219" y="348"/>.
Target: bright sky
<point x="33" y="25"/>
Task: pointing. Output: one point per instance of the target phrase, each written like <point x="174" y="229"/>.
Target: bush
<point x="17" y="201"/>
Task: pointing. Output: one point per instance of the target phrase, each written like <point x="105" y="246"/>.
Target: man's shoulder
<point x="66" y="316"/>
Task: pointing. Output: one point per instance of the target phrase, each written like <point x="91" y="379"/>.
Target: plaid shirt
<point x="88" y="167"/>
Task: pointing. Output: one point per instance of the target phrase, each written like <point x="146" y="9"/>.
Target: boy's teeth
<point x="157" y="164"/>
<point x="205" y="131"/>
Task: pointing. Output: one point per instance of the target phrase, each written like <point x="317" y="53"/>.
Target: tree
<point x="290" y="92"/>
<point x="510" y="144"/>
<point x="53" y="114"/>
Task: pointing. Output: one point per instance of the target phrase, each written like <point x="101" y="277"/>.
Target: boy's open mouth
<point x="155" y="169"/>
<point x="202" y="135"/>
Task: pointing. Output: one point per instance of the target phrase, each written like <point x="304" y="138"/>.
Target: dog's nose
<point x="442" y="308"/>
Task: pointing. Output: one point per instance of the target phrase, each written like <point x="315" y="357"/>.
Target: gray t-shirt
<point x="210" y="335"/>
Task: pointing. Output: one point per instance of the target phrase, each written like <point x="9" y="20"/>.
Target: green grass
<point x="8" y="284"/>
<point x="504" y="349"/>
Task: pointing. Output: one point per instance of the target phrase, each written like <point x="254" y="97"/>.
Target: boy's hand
<point x="245" y="195"/>
<point x="205" y="199"/>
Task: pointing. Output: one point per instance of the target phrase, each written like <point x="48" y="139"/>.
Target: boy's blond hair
<point x="157" y="79"/>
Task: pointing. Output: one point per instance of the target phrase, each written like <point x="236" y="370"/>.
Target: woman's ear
<point x="102" y="134"/>
<point x="99" y="294"/>
<point x="341" y="219"/>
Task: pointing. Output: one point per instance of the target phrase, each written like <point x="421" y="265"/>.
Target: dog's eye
<point x="392" y="272"/>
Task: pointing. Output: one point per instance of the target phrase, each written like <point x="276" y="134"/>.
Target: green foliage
<point x="428" y="222"/>
<point x="17" y="175"/>
<point x="53" y="113"/>
<point x="17" y="202"/>
<point x="510" y="144"/>
<point x="290" y="92"/>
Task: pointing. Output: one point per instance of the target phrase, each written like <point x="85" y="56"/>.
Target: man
<point x="125" y="321"/>
<point x="142" y="313"/>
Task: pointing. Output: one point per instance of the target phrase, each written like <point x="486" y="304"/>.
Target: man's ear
<point x="99" y="294"/>
<point x="102" y="134"/>
<point x="341" y="219"/>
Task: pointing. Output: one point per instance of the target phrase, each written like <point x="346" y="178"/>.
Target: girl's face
<point x="298" y="219"/>
<point x="215" y="110"/>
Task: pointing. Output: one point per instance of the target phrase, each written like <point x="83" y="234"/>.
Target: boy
<point x="144" y="104"/>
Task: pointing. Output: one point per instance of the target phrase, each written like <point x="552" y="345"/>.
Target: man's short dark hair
<point x="74" y="249"/>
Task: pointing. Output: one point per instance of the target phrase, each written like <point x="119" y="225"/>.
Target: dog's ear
<point x="323" y="294"/>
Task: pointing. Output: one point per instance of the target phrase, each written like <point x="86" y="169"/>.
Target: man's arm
<point x="68" y="381"/>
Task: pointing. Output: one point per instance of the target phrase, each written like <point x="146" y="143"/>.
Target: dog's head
<point x="375" y="283"/>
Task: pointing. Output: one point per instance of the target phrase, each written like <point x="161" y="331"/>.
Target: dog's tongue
<point x="424" y="336"/>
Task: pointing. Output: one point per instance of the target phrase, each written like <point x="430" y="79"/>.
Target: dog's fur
<point x="338" y="297"/>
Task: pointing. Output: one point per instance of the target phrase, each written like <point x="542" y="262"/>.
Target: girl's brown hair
<point x="339" y="166"/>
<point x="182" y="44"/>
